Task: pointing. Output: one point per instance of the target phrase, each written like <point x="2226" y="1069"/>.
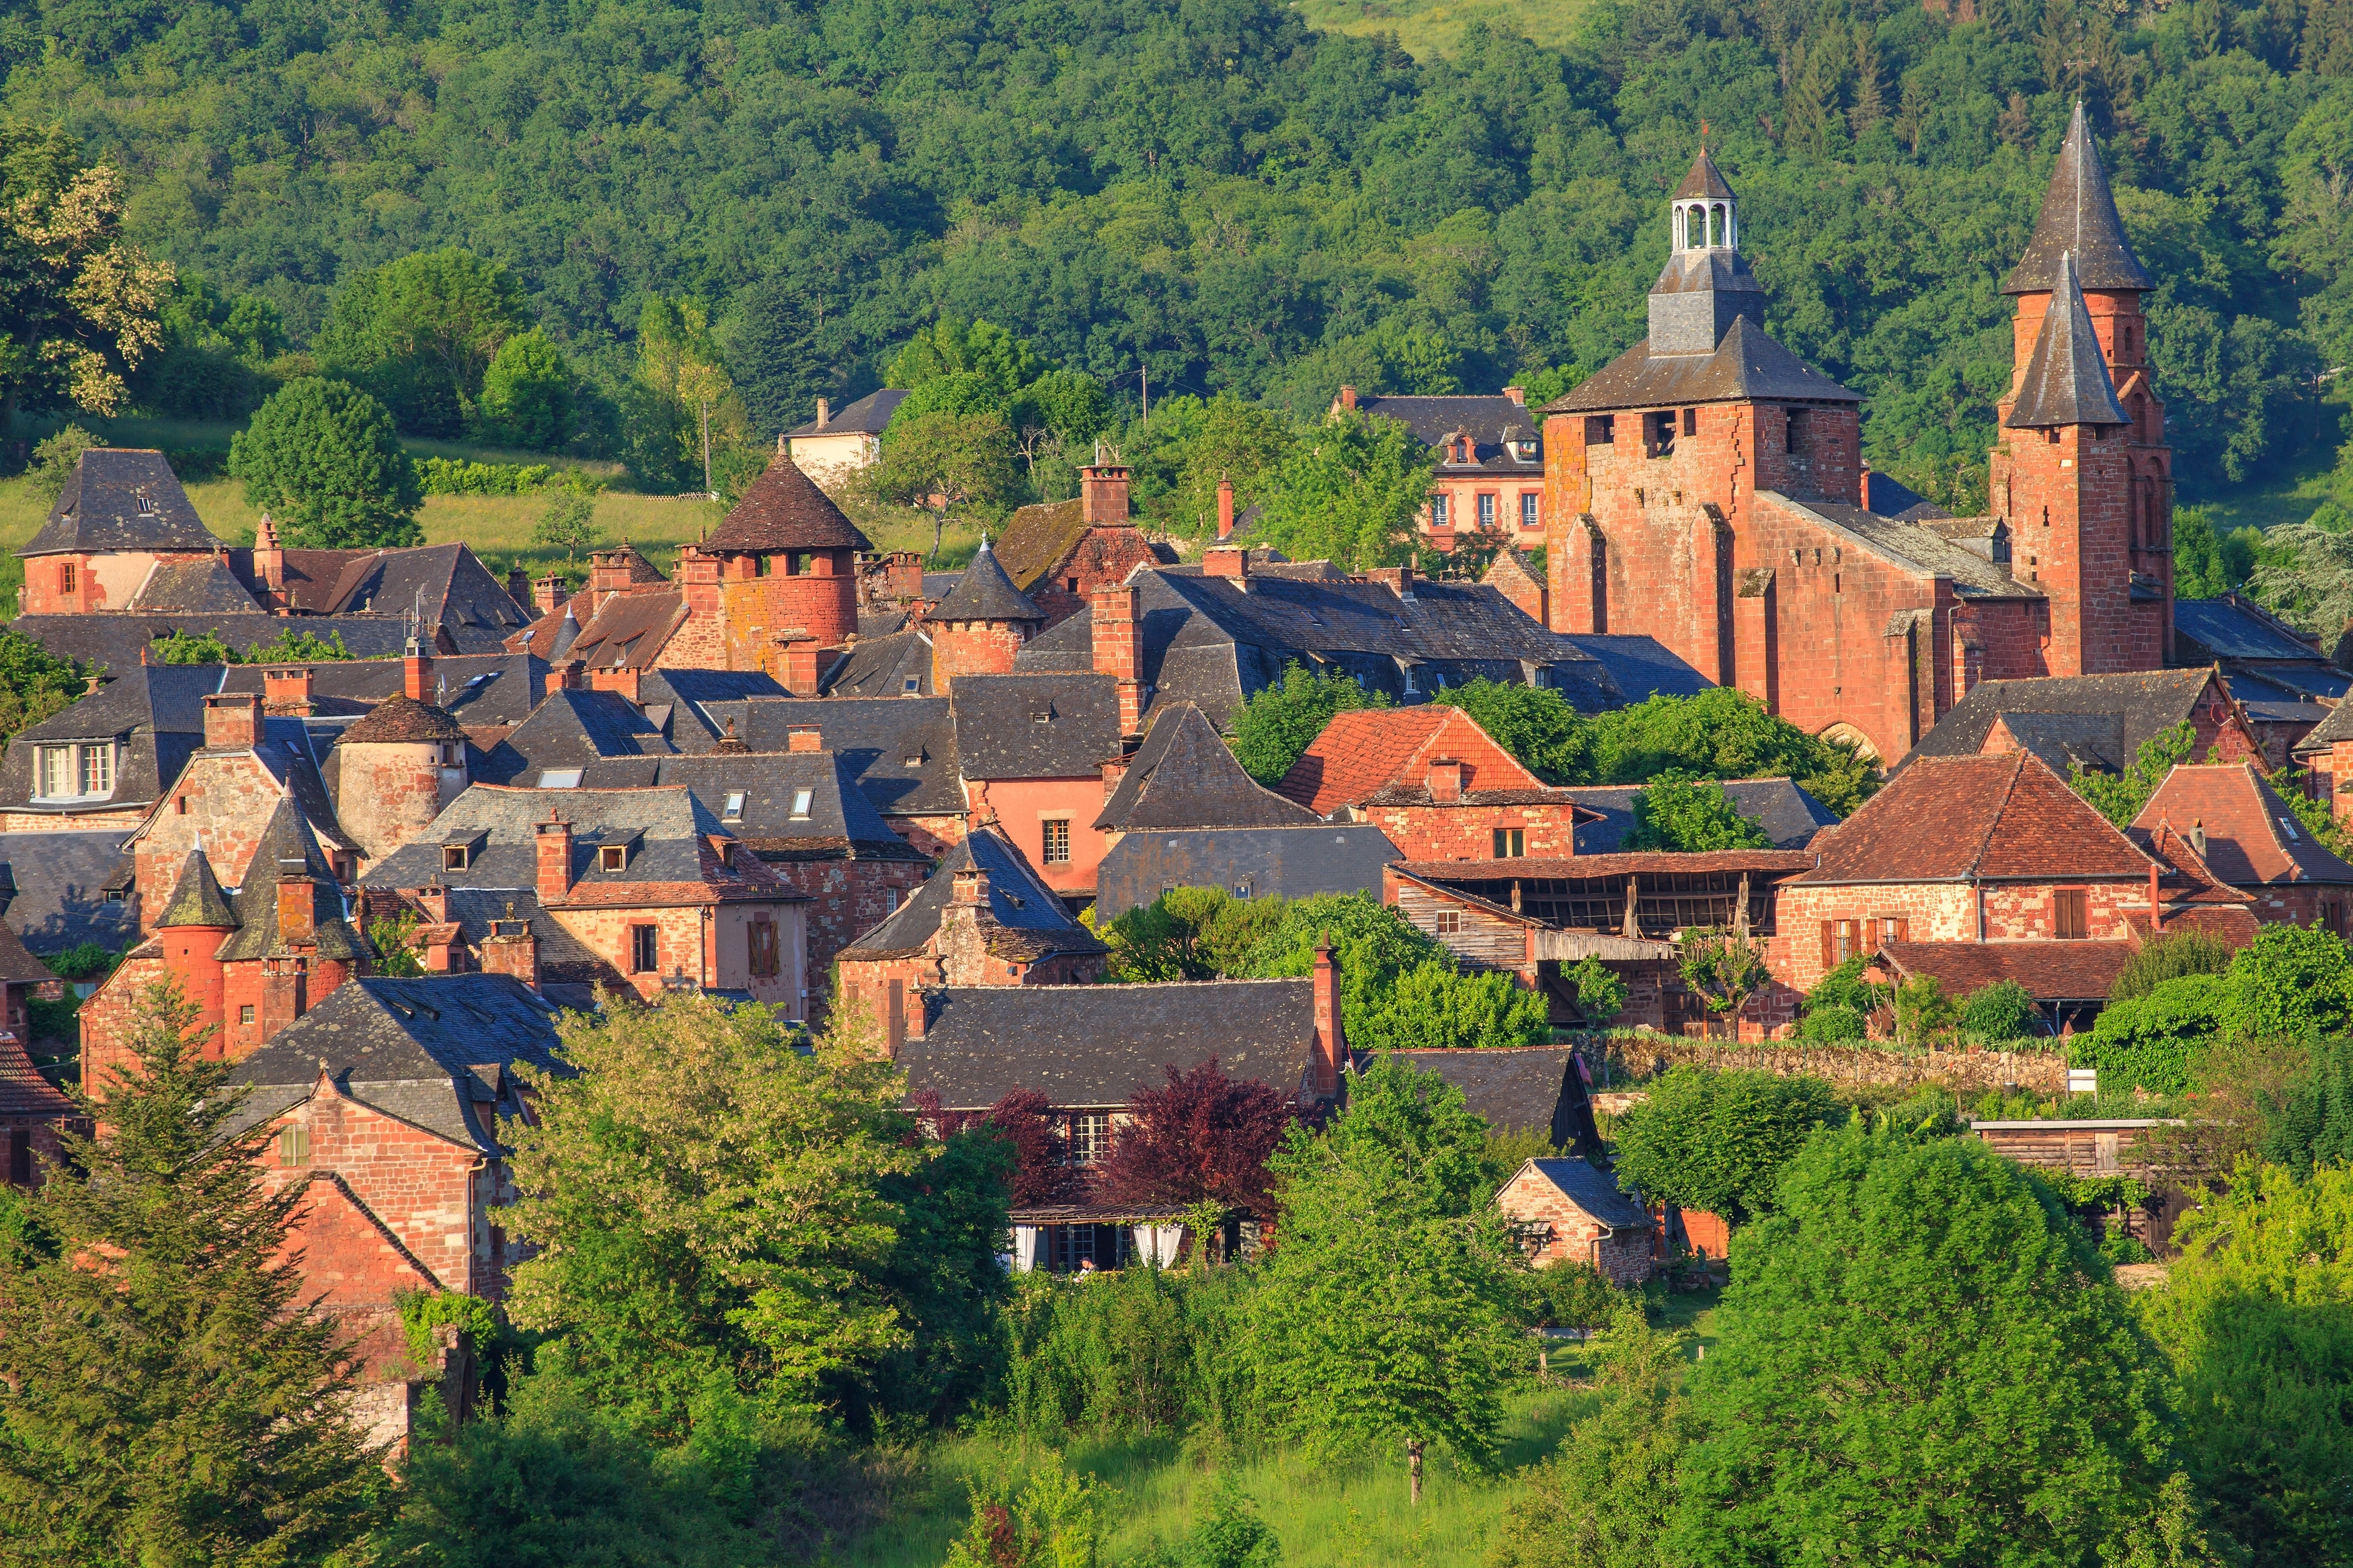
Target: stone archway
<point x="1845" y="734"/>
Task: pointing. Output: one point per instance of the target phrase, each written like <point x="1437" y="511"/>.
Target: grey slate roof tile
<point x="156" y="714"/>
<point x="1183" y="775"/>
<point x="1035" y="726"/>
<point x="1251" y="862"/>
<point x="1018" y="900"/>
<point x="1747" y="366"/>
<point x="2078" y="218"/>
<point x="62" y="880"/>
<point x="984" y="593"/>
<point x="203" y="587"/>
<point x="901" y="750"/>
<point x="121" y="498"/>
<point x="2067" y="380"/>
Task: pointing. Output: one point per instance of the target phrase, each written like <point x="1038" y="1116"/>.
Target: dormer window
<point x="612" y="857"/>
<point x="914" y="684"/>
<point x="454" y="857"/>
<point x="83" y="772"/>
<point x="734" y="805"/>
<point x="727" y="854"/>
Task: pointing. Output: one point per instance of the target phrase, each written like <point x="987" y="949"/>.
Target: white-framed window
<point x="1058" y="840"/>
<point x="612" y="857"/>
<point x="1089" y="1136"/>
<point x="560" y="778"/>
<point x="1486" y="509"/>
<point x="1437" y="511"/>
<point x="83" y="772"/>
<point x="801" y="801"/>
<point x="1529" y="517"/>
<point x="454" y="857"/>
<point x="734" y="805"/>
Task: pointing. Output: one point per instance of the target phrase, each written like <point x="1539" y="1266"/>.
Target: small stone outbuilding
<point x="1575" y="1212"/>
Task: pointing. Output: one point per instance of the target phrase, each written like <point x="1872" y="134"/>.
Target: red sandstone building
<point x="1707" y="488"/>
<point x="1436" y="784"/>
<point x="2251" y="839"/>
<point x="1058" y="554"/>
<point x="1570" y="1211"/>
<point x="1488" y="486"/>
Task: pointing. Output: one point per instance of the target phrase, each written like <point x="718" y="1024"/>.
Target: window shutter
<point x="1903" y="928"/>
<point x="1829" y="945"/>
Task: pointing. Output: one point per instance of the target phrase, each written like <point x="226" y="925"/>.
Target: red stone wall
<point x="972" y="647"/>
<point x="1023" y="806"/>
<point x="388" y="795"/>
<point x="226" y="800"/>
<point x="849" y="898"/>
<point x="106" y="1013"/>
<point x="1465" y="832"/>
<point x="1569" y="1233"/>
<point x="1939" y="911"/>
<point x="2016" y="911"/>
<point x="822" y="602"/>
<point x="934" y="836"/>
<point x="1104" y="557"/>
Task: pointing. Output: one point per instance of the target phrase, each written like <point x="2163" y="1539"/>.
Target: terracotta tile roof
<point x="2252" y="837"/>
<point x="401" y="719"/>
<point x="1356" y="754"/>
<point x="23" y="1090"/>
<point x="1949" y="819"/>
<point x="2053" y="971"/>
<point x="784" y="510"/>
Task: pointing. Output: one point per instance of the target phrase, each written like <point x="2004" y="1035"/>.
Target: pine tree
<point x="776" y="359"/>
<point x="166" y="1397"/>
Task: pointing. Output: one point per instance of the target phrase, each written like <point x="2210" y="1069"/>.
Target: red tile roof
<point x="1356" y="754"/>
<point x="2252" y="837"/>
<point x="23" y="1090"/>
<point x="1949" y="819"/>
<point x="2053" y="971"/>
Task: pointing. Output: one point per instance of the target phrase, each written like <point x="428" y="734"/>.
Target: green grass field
<point x="1433" y="27"/>
<point x="2287" y="492"/>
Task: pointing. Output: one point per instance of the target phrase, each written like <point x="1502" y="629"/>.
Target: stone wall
<point x="1623" y="1059"/>
<point x="847" y="898"/>
<point x="1565" y="1232"/>
<point x="1464" y="831"/>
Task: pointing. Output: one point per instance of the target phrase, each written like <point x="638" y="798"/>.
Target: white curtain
<point x="1025" y="1247"/>
<point x="1158" y="1243"/>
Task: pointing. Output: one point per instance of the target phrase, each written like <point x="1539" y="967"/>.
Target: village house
<point x="2096" y="722"/>
<point x="2280" y="680"/>
<point x="32" y="1111"/>
<point x="1983" y="867"/>
<point x="2326" y="754"/>
<point x="1570" y="1211"/>
<point x="984" y="919"/>
<point x="58" y="891"/>
<point x="1488" y="484"/>
<point x="1058" y="554"/>
<point x="1088" y="1049"/>
<point x="1535" y="917"/>
<point x="103" y="762"/>
<point x="2102" y="1147"/>
<point x="1524" y="1088"/>
<point x="649" y="881"/>
<point x="1436" y="784"/>
<point x="2251" y="839"/>
<point x="1247" y="862"/>
<point x="836" y="446"/>
<point x="1707" y="487"/>
<point x="1184" y="775"/>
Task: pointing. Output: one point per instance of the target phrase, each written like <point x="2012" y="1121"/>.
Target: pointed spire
<point x="1705" y="180"/>
<point x="984" y="593"/>
<point x="2067" y="380"/>
<point x="2079" y="219"/>
<point x="198" y="899"/>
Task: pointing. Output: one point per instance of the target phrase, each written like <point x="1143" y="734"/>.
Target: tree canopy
<point x="323" y="456"/>
<point x="1717" y="1140"/>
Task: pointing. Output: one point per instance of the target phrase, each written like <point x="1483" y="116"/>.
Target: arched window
<point x="1719" y="225"/>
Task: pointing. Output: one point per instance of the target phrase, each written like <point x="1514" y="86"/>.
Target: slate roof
<point x="984" y="593"/>
<point x="204" y="588"/>
<point x="446" y="584"/>
<point x="669" y="832"/>
<point x="1705" y="180"/>
<point x="569" y="972"/>
<point x="196" y="897"/>
<point x="1356" y="753"/>
<point x="121" y="498"/>
<point x="1491" y="423"/>
<point x="687" y="694"/>
<point x="2067" y="380"/>
<point x="2337" y="726"/>
<point x="1890" y="497"/>
<point x="1248" y="862"/>
<point x="399" y="720"/>
<point x="1913" y="547"/>
<point x="18" y="965"/>
<point x="1529" y="1087"/>
<point x="2050" y="971"/>
<point x="841" y="822"/>
<point x="1183" y="775"/>
<point x="1211" y="641"/>
<point x="1028" y="918"/>
<point x="2232" y="626"/>
<point x="1096" y="1046"/>
<point x="2078" y="218"/>
<point x="784" y="510"/>
<point x="1595" y="1192"/>
<point x="901" y="750"/>
<point x="883" y="666"/>
<point x="478" y="691"/>
<point x="1038" y="538"/>
<point x="1789" y="816"/>
<point x="1746" y="365"/>
<point x="1641" y="667"/>
<point x="867" y="416"/>
<point x="569" y="729"/>
<point x="60" y="880"/>
<point x="285" y="840"/>
<point x="1035" y="726"/>
<point x="1975" y="818"/>
<point x="438" y="1053"/>
<point x="115" y="641"/>
<point x="2252" y="837"/>
<point x="2122" y="711"/>
<point x="155" y="713"/>
<point x="630" y="630"/>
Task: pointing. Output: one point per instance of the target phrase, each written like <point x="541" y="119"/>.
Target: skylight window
<point x="560" y="778"/>
<point x="734" y="803"/>
<point x="801" y="799"/>
<point x="914" y="684"/>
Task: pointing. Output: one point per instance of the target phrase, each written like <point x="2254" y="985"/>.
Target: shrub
<point x="2169" y="957"/>
<point x="84" y="960"/>
<point x="1831" y="1024"/>
<point x="2002" y="1011"/>
<point x="1571" y="1293"/>
<point x="1717" y="1140"/>
<point x="1844" y="987"/>
<point x="460" y="477"/>
<point x="1138" y="1352"/>
<point x="1922" y="1009"/>
<point x="1692" y="815"/>
<point x="2147" y="1043"/>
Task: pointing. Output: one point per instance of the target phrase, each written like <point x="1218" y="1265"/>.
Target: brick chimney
<point x="802" y="738"/>
<point x="1102" y="490"/>
<point x="433" y="899"/>
<point x="608" y="574"/>
<point x="232" y="720"/>
<point x="1398" y="579"/>
<point x="623" y="680"/>
<point x="1517" y="395"/>
<point x="697" y="581"/>
<point x="1224" y="507"/>
<point x="970" y="887"/>
<point x="298" y="904"/>
<point x="570" y="675"/>
<point x="1118" y="622"/>
<point x="798" y="663"/>
<point x="1347" y="397"/>
<point x="417" y="671"/>
<point x="554" y="842"/>
<point x="518" y="585"/>
<point x="1445" y="779"/>
<point x="269" y="563"/>
<point x="1226" y="561"/>
<point x="286" y="690"/>
<point x="548" y="593"/>
<point x="511" y="949"/>
<point x="1331" y="1043"/>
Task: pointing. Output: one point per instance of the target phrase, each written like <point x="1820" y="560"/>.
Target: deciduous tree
<point x="527" y="394"/>
<point x="323" y="456"/>
<point x="1277" y="723"/>
<point x="1201" y="1136"/>
<point x="1349" y="492"/>
<point x="1692" y="817"/>
<point x="1717" y="1140"/>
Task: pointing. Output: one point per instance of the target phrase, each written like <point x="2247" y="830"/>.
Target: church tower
<point x="2083" y="476"/>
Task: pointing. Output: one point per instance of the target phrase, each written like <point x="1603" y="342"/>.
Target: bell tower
<point x="2083" y="476"/>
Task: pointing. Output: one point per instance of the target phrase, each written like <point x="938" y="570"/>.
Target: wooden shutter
<point x="1829" y="945"/>
<point x="1903" y="928"/>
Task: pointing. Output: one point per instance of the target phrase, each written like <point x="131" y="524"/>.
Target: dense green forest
<point x="1212" y="193"/>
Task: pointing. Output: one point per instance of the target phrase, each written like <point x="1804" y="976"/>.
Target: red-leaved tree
<point x="1038" y="1174"/>
<point x="1204" y="1135"/>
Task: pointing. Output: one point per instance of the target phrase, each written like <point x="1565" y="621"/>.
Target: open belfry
<point x="1707" y="488"/>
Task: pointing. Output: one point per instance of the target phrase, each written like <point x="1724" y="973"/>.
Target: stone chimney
<point x="1102" y="490"/>
<point x="548" y="593"/>
<point x="1398" y="579"/>
<point x="1347" y="397"/>
<point x="797" y="663"/>
<point x="1445" y="780"/>
<point x="608" y="574"/>
<point x="232" y="720"/>
<point x="1118" y="625"/>
<point x="824" y="413"/>
<point x="554" y="841"/>
<point x="802" y="738"/>
<point x="698" y="582"/>
<point x="1517" y="395"/>
<point x="518" y="585"/>
<point x="571" y="675"/>
<point x="730" y="742"/>
<point x="1227" y="561"/>
<point x="970" y="888"/>
<point x="1863" y="487"/>
<point x="623" y="680"/>
<point x="298" y="904"/>
<point x="433" y="899"/>
<point x="1331" y="1051"/>
<point x="287" y="690"/>
<point x="417" y="671"/>
<point x="511" y="949"/>
<point x="1224" y="507"/>
<point x="269" y="562"/>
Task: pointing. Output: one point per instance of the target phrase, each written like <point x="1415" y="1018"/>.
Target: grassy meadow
<point x="1430" y="28"/>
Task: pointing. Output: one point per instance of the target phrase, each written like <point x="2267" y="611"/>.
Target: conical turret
<point x="2067" y="380"/>
<point x="2079" y="220"/>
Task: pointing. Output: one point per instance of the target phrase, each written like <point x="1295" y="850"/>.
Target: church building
<point x="1707" y="488"/>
